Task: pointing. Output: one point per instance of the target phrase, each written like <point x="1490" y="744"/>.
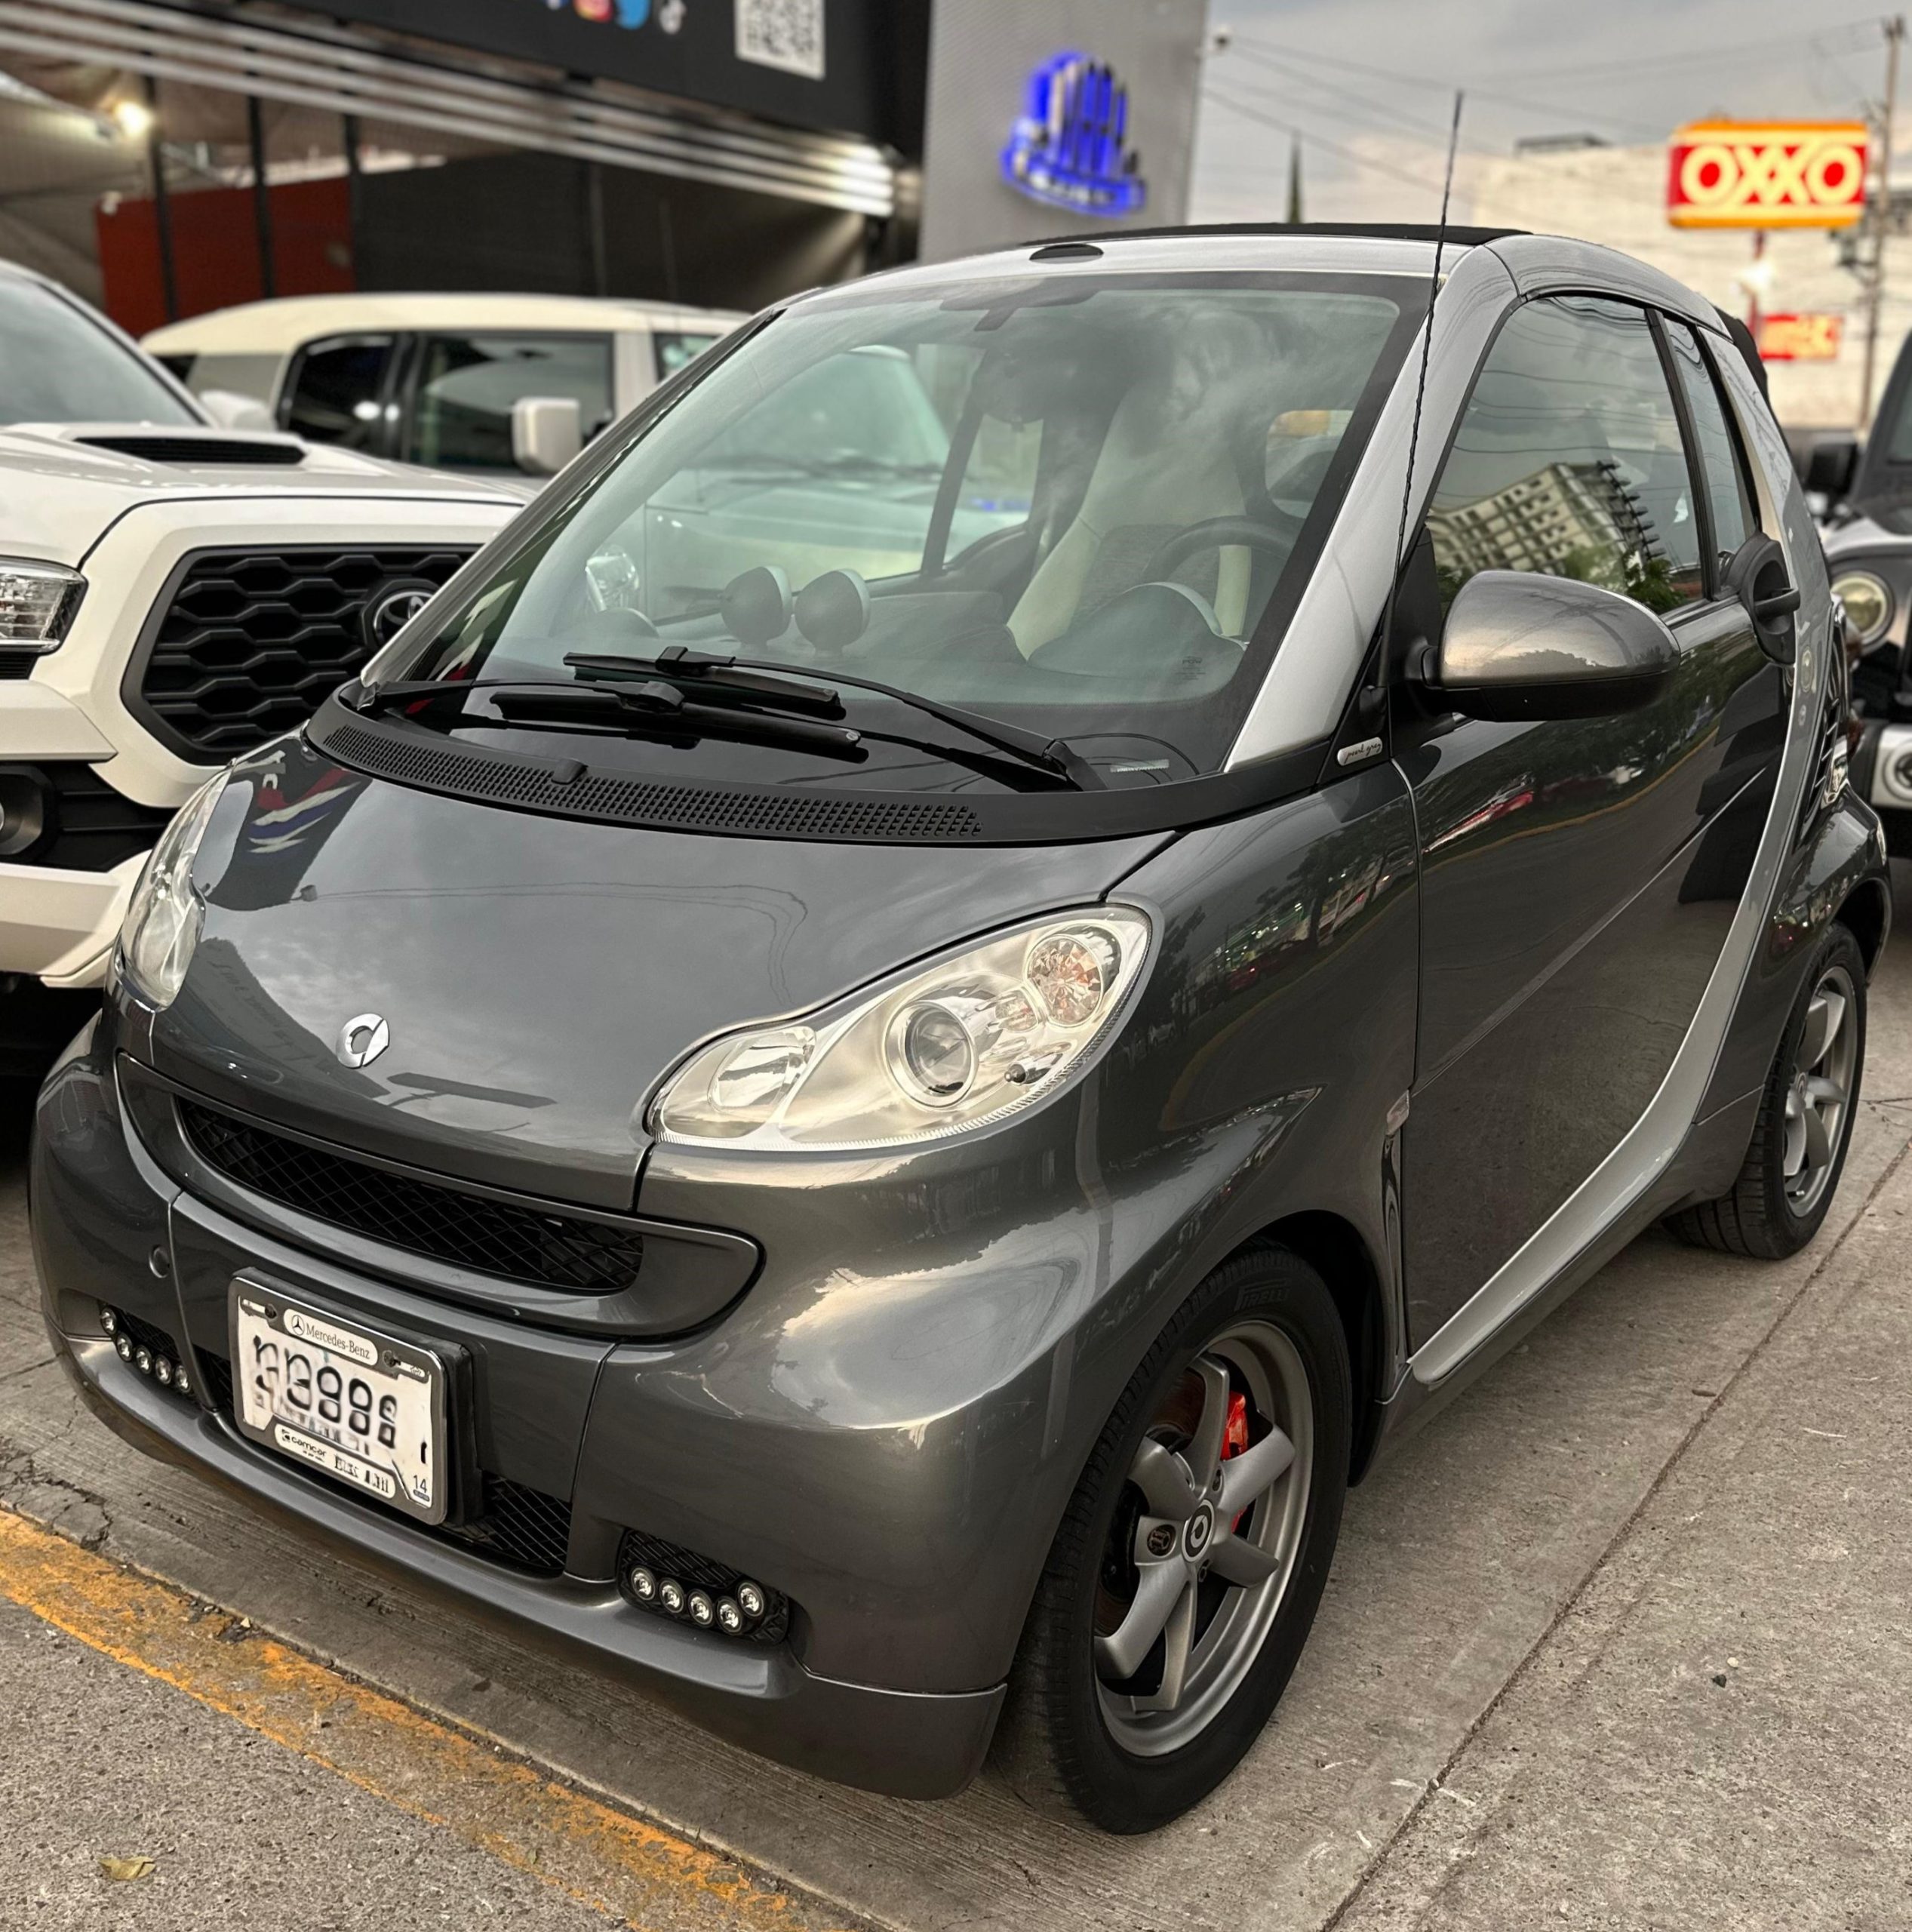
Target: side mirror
<point x="231" y="411"/>
<point x="546" y="432"/>
<point x="1518" y="645"/>
<point x="1756" y="575"/>
<point x="1830" y="466"/>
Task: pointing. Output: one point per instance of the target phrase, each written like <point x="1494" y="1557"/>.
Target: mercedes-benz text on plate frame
<point x="363" y="1038"/>
<point x="923" y="1149"/>
<point x="366" y="1409"/>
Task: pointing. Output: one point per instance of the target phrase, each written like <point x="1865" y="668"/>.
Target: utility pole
<point x="1881" y="214"/>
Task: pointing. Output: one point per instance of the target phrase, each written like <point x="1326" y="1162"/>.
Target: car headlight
<point x="163" y="918"/>
<point x="1869" y="604"/>
<point x="37" y="601"/>
<point x="962" y="1043"/>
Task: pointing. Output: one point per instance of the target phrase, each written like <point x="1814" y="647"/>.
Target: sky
<point x="1369" y="86"/>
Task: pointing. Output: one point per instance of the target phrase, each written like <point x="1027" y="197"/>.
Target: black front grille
<point x="83" y="824"/>
<point x="18" y="662"/>
<point x="552" y="1250"/>
<point x="246" y="643"/>
<point x="517" y="1526"/>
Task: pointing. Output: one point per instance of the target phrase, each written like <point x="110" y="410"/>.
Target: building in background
<point x="1618" y="195"/>
<point x="714" y="151"/>
<point x="177" y="156"/>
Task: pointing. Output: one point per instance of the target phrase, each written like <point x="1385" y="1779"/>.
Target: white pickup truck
<point x="172" y="593"/>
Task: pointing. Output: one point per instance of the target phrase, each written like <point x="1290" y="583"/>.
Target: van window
<point x="461" y="413"/>
<point x="675" y="347"/>
<point x="337" y="392"/>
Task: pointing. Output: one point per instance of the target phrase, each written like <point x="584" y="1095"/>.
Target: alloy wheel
<point x="1819" y="1097"/>
<point x="1205" y="1539"/>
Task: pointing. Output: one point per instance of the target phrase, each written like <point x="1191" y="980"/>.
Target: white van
<point x="478" y="382"/>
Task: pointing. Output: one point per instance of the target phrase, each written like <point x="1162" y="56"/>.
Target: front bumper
<point x="59" y="926"/>
<point x="110" y="1226"/>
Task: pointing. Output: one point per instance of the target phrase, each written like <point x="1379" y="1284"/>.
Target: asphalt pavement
<point x="1620" y="1640"/>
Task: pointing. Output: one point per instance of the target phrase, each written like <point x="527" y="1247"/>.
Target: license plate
<point x="364" y="1408"/>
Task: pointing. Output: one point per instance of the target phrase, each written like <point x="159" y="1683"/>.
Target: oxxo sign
<point x="1767" y="174"/>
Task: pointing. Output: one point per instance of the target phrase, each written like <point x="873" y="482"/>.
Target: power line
<point x="1409" y="121"/>
<point x="1316" y="140"/>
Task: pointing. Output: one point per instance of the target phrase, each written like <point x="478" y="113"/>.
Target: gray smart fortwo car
<point x="875" y="1155"/>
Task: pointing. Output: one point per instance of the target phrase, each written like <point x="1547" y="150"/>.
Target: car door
<point x="1578" y="877"/>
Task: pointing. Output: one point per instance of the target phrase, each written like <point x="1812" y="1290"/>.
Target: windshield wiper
<point x="1056" y="758"/>
<point x="655" y="709"/>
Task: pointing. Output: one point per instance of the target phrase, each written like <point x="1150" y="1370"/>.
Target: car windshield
<point x="1082" y="506"/>
<point x="59" y="366"/>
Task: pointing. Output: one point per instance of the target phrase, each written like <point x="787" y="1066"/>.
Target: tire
<point x="1073" y="1739"/>
<point x="1777" y="1205"/>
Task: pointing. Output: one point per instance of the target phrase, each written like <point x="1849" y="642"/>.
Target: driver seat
<point x="1164" y="466"/>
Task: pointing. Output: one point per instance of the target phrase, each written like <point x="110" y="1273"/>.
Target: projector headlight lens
<point x="1869" y="603"/>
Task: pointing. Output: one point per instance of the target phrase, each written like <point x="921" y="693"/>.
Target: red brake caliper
<point x="1234" y="1440"/>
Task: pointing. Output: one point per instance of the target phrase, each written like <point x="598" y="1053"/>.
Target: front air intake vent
<point x="544" y="1247"/>
<point x="756" y="813"/>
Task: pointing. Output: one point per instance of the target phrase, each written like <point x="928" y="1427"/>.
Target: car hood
<point x="538" y="976"/>
<point x="65" y="484"/>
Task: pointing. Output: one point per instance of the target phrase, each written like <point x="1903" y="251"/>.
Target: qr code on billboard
<point x="783" y="33"/>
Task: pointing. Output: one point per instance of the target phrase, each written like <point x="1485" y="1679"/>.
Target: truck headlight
<point x="963" y="1043"/>
<point x="1869" y="604"/>
<point x="163" y="916"/>
<point x="37" y="601"/>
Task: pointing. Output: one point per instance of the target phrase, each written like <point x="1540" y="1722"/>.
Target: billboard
<point x="1058" y="116"/>
<point x="1766" y="174"/>
<point x="1800" y="338"/>
<point x="847" y="66"/>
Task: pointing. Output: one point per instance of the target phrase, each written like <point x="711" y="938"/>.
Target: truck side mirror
<point x="1830" y="466"/>
<point x="546" y="432"/>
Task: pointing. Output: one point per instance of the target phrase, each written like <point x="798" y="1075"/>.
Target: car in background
<point x="173" y="592"/>
<point x="485" y="382"/>
<point x="1862" y="491"/>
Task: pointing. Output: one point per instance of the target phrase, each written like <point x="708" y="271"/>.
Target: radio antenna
<point x="1420" y="383"/>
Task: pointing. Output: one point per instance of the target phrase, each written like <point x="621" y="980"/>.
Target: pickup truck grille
<point x="243" y="645"/>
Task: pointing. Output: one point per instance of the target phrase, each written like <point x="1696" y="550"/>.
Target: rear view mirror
<point x="1518" y="645"/>
<point x="546" y="432"/>
<point x="1830" y="464"/>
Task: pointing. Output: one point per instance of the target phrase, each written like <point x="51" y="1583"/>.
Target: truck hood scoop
<point x="538" y="976"/>
<point x="212" y="448"/>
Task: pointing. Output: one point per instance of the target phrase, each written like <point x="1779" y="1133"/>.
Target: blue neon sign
<point x="1066" y="148"/>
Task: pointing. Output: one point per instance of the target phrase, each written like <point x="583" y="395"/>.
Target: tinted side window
<point x="334" y="395"/>
<point x="1718" y="446"/>
<point x="1569" y="460"/>
<point x="675" y="347"/>
<point x="461" y="416"/>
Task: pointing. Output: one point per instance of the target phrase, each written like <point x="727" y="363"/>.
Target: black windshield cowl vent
<point x="752" y="812"/>
<point x="206" y="452"/>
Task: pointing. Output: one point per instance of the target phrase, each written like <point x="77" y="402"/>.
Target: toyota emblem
<point x="363" y="1039"/>
<point x="390" y="607"/>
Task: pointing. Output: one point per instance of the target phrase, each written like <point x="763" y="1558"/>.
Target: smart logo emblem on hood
<point x="362" y="1039"/>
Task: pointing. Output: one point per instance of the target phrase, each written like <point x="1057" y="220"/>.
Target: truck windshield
<point x="1082" y="505"/>
<point x="58" y="365"/>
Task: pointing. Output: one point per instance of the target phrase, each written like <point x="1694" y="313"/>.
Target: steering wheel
<point x="1221" y="533"/>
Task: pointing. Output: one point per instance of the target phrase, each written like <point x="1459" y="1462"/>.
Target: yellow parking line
<point x="601" y="1856"/>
